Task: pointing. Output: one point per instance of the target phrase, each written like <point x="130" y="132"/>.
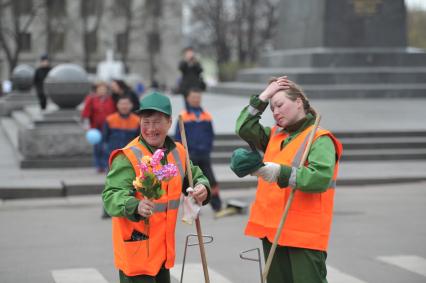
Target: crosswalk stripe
<point x="411" y="263"/>
<point x="78" y="275"/>
<point x="336" y="276"/>
<point x="194" y="274"/>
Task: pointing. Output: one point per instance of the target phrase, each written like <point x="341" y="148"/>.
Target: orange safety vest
<point x="131" y="257"/>
<point x="191" y="117"/>
<point x="309" y="219"/>
<point x="115" y="121"/>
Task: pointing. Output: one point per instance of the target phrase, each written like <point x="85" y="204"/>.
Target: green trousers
<point x="163" y="276"/>
<point x="295" y="265"/>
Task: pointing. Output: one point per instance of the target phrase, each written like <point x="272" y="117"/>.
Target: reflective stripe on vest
<point x="309" y="219"/>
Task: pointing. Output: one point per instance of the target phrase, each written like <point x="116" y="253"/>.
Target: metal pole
<point x="210" y="239"/>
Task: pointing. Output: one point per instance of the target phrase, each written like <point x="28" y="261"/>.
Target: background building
<point x="145" y="34"/>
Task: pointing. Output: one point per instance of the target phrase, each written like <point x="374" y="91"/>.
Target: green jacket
<point x="119" y="195"/>
<point x="322" y="157"/>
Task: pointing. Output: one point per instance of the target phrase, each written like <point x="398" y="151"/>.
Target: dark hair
<point x="295" y="92"/>
<point x="195" y="89"/>
<point x="149" y="112"/>
<point x="44" y="56"/>
<point x="122" y="85"/>
<point x="124" y="97"/>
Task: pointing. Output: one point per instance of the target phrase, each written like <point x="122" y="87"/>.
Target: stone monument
<point x="341" y="23"/>
<point x="340" y="49"/>
<point x="22" y="81"/>
<point x="110" y="69"/>
<point x="56" y="139"/>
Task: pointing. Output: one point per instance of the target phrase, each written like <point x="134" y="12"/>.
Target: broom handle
<point x="289" y="201"/>
<point x="191" y="184"/>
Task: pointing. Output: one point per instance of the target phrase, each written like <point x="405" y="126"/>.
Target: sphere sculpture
<point x="93" y="136"/>
<point x="22" y="77"/>
<point x="67" y="85"/>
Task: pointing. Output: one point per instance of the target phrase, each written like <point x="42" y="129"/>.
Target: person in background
<point x="122" y="126"/>
<point x="39" y="77"/>
<point x="97" y="106"/>
<point x="120" y="88"/>
<point x="200" y="136"/>
<point x="191" y="73"/>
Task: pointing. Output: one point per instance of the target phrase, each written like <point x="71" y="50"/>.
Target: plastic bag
<point x="191" y="208"/>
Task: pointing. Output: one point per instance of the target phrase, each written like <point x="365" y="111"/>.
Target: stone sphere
<point x="67" y="85"/>
<point x="22" y="77"/>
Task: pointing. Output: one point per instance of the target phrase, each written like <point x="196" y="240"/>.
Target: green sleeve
<point x="199" y="178"/>
<point x="317" y="176"/>
<point x="118" y="195"/>
<point x="248" y="126"/>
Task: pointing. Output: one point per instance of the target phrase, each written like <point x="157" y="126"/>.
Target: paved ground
<point x="377" y="236"/>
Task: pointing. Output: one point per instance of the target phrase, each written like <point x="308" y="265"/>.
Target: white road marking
<point x="193" y="273"/>
<point x="336" y="276"/>
<point x="78" y="275"/>
<point x="411" y="263"/>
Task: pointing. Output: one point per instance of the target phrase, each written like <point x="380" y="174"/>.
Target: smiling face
<point x="286" y="111"/>
<point x="154" y="128"/>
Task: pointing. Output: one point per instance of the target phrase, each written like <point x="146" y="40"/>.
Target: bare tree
<point x="154" y="12"/>
<point x="129" y="15"/>
<point x="11" y="32"/>
<point x="240" y="27"/>
<point x="416" y="28"/>
<point x="91" y="15"/>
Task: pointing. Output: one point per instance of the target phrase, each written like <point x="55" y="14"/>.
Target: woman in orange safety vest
<point x="302" y="246"/>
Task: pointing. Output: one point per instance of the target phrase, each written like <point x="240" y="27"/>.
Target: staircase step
<point x="332" y="91"/>
<point x="348" y="143"/>
<point x="343" y="57"/>
<point x="221" y="157"/>
<point x="306" y="76"/>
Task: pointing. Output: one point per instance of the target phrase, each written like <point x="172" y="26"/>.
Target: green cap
<point x="156" y="101"/>
<point x="244" y="162"/>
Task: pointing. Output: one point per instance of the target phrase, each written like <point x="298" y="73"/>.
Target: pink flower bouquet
<point x="152" y="173"/>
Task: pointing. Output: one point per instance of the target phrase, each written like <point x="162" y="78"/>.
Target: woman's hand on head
<point x="281" y="83"/>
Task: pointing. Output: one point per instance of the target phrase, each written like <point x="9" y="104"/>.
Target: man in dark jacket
<point x="39" y="77"/>
<point x="191" y="72"/>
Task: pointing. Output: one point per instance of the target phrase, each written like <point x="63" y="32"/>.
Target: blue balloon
<point x="93" y="136"/>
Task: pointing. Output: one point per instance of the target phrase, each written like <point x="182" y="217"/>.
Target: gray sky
<point x="416" y="3"/>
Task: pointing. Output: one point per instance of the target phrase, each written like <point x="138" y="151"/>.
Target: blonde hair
<point x="295" y="92"/>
